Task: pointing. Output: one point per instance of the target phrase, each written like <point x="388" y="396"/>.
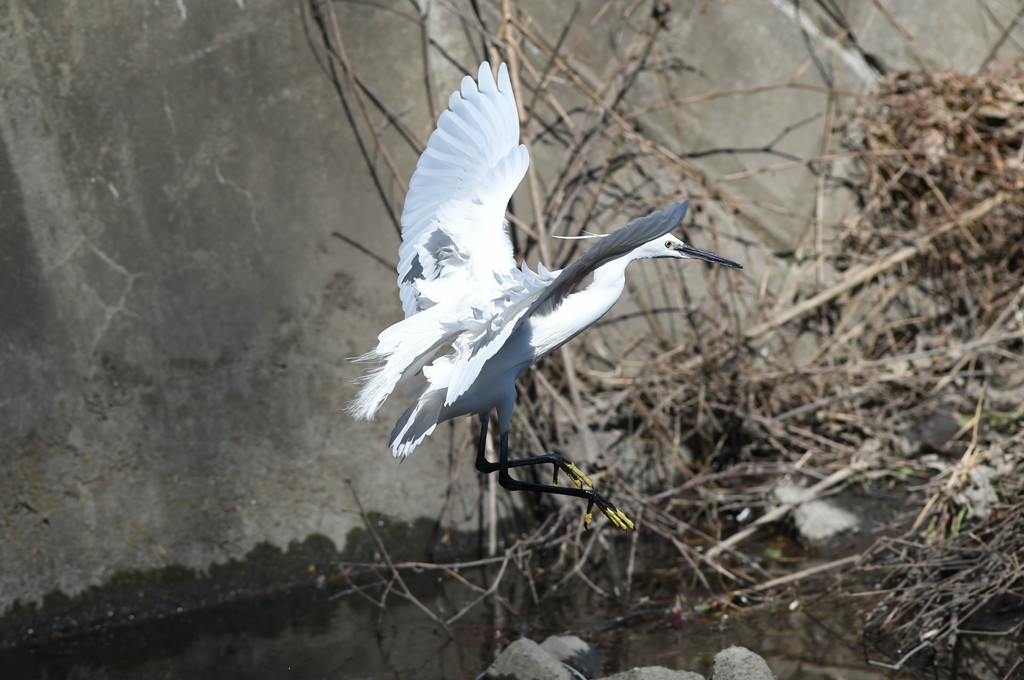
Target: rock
<point x="739" y="663"/>
<point x="654" y="673"/>
<point x="574" y="652"/>
<point x="524" y="659"/>
<point x="817" y="519"/>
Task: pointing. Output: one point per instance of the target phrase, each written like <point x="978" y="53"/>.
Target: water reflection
<point x="313" y="634"/>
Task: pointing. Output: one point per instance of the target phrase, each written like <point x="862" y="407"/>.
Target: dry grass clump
<point x="969" y="585"/>
<point x="939" y="148"/>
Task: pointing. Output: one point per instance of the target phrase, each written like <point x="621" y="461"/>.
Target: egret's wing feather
<point x="471" y="326"/>
<point x="459" y="285"/>
<point x="616" y="244"/>
<point x="453" y="223"/>
<point x="402" y="350"/>
<point x="492" y="329"/>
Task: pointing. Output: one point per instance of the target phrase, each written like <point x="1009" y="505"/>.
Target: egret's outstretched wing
<point x="453" y="224"/>
<point x="461" y="291"/>
<point x="616" y="244"/>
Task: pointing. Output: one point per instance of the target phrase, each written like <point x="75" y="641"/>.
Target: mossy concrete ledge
<point x="138" y="598"/>
<point x="134" y="600"/>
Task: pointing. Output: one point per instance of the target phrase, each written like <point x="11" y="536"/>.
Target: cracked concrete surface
<point x="175" y="316"/>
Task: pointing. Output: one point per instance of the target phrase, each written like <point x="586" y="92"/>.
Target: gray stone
<point x="816" y="519"/>
<point x="654" y="673"/>
<point x="739" y="663"/>
<point x="575" y="652"/>
<point x="524" y="659"/>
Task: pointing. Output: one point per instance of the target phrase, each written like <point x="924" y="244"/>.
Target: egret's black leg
<point x="482" y="464"/>
<point x="593" y="498"/>
<point x="559" y="462"/>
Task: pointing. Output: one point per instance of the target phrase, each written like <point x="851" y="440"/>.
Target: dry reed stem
<point x="865" y="273"/>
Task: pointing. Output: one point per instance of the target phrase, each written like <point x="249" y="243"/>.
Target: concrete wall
<point x="175" y="314"/>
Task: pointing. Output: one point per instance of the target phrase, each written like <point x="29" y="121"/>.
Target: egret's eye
<point x="668" y="244"/>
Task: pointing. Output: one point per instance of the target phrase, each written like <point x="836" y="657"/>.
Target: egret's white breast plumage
<point x="474" y="321"/>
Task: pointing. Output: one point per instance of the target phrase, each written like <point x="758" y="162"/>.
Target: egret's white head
<point x="670" y="246"/>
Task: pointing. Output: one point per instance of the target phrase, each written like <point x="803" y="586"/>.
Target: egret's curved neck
<point x="579" y="310"/>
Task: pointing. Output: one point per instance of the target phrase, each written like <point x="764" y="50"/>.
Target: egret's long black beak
<point x="695" y="254"/>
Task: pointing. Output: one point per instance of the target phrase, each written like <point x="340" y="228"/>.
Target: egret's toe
<point x="577" y="476"/>
<point x="618" y="518"/>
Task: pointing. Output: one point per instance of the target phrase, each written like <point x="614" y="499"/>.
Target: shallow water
<point x="270" y="631"/>
<point x="312" y="634"/>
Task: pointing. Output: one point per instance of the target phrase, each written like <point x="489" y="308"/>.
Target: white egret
<point x="474" y="322"/>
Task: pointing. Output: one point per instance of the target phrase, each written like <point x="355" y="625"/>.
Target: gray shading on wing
<point x="457" y="277"/>
<point x="453" y="222"/>
<point x="616" y="244"/>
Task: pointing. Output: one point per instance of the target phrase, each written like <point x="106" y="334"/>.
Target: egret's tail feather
<point x="402" y="351"/>
<point x="371" y="396"/>
<point x="418" y="421"/>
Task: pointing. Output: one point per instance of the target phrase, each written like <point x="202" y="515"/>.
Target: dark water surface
<point x="313" y="634"/>
<point x="242" y="619"/>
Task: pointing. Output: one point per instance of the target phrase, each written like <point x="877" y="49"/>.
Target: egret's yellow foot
<point x="577" y="476"/>
<point x="618" y="518"/>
